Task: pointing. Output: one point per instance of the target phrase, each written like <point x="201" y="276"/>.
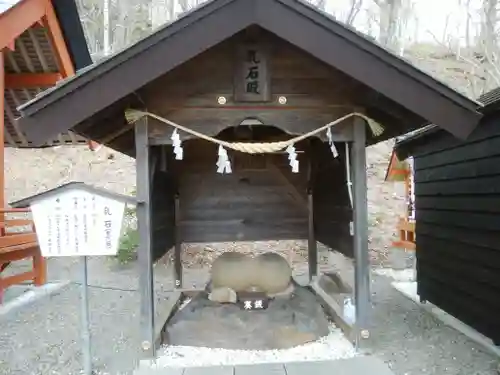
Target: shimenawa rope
<point x="133" y="115"/>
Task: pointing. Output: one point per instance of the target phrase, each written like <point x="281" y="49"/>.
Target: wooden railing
<point x="406" y="235"/>
<point x="18" y="241"/>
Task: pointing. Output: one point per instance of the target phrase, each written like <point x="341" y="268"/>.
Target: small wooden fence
<point x="406" y="235"/>
<point x="18" y="241"/>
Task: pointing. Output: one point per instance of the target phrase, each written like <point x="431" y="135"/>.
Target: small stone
<point x="223" y="295"/>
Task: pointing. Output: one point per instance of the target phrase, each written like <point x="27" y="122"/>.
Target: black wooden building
<point x="457" y="199"/>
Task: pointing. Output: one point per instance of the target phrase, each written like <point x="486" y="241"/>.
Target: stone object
<point x="287" y="322"/>
<point x="284" y="293"/>
<point x="268" y="272"/>
<point x="232" y="270"/>
<point x="272" y="274"/>
<point x="223" y="295"/>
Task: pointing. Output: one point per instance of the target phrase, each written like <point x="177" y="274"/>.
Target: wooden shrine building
<point x="457" y="200"/>
<point x="238" y="75"/>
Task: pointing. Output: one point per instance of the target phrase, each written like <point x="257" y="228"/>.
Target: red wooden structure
<point x="401" y="171"/>
<point x="41" y="42"/>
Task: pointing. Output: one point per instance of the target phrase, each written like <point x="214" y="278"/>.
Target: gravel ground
<point x="414" y="342"/>
<point x="43" y="338"/>
<point x="330" y="347"/>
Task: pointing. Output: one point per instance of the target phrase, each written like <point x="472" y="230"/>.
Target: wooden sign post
<point x="77" y="220"/>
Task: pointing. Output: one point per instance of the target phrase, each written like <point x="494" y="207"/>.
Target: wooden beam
<point x="54" y="31"/>
<point x="19" y="18"/>
<point x="31" y="80"/>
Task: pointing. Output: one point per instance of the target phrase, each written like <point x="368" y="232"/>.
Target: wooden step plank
<point x="13" y="253"/>
<point x="408" y="245"/>
<point x="14" y="210"/>
<point x="17" y="239"/>
<point x="5" y="282"/>
<point x="17" y="222"/>
<point x="29" y="246"/>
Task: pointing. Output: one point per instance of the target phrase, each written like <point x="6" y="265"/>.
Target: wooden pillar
<point x="361" y="255"/>
<point x="2" y="155"/>
<point x="145" y="256"/>
<point x="312" y="248"/>
<point x="178" y="243"/>
<point x="2" y="135"/>
<point x="311" y="244"/>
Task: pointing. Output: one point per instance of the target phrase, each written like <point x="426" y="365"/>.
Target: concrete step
<point x="353" y="366"/>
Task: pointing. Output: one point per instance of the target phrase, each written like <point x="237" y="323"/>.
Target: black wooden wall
<point x="163" y="190"/>
<point x="332" y="207"/>
<point x="457" y="189"/>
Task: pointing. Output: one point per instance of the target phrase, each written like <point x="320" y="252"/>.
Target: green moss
<point x="129" y="241"/>
<point x="127" y="249"/>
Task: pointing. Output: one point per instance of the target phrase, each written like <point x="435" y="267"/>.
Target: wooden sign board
<point x="253" y="300"/>
<point x="78" y="223"/>
<point x="252" y="78"/>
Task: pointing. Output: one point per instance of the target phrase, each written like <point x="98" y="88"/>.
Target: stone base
<point x="287" y="322"/>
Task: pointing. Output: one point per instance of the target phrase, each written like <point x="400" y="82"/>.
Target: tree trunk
<point x="106" y="28"/>
<point x="162" y="11"/>
<point x="389" y="23"/>
<point x="353" y="11"/>
<point x="488" y="38"/>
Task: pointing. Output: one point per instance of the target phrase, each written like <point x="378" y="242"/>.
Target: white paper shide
<point x="78" y="223"/>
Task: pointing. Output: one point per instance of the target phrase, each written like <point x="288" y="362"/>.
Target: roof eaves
<point x="92" y="71"/>
<point x="490" y="102"/>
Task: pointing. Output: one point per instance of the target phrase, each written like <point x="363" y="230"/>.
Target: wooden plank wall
<point x="162" y="204"/>
<point x="260" y="200"/>
<point x="457" y="189"/>
<point x="332" y="208"/>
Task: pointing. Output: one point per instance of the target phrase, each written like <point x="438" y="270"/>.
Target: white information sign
<point x="78" y="223"/>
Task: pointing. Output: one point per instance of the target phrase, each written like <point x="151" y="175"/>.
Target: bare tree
<point x="321" y="4"/>
<point x="393" y="17"/>
<point x="478" y="55"/>
<point x="488" y="33"/>
<point x="389" y="13"/>
<point x="106" y="28"/>
<point x="187" y="5"/>
<point x="111" y="25"/>
<point x="354" y="9"/>
<point x="162" y="11"/>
